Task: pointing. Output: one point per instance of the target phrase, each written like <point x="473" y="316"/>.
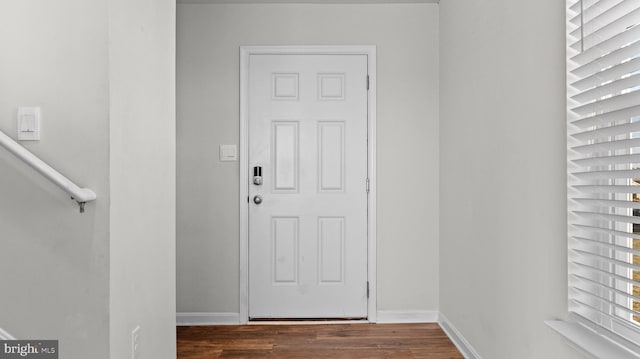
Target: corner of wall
<point x="456" y="337"/>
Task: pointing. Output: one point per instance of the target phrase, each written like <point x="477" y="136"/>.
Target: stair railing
<point x="80" y="195"/>
<point x="4" y="335"/>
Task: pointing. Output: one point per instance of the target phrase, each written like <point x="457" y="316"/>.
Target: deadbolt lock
<point x="257" y="175"/>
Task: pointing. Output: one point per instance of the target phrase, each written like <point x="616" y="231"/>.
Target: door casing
<point x="245" y="53"/>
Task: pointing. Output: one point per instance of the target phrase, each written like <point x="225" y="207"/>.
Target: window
<point x="603" y="85"/>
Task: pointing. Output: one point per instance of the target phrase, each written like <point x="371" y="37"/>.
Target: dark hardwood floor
<point x="316" y="341"/>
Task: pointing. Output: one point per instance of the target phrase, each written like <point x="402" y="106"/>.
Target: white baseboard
<point x="407" y="316"/>
<point x="458" y="340"/>
<point x="183" y="319"/>
<point x="384" y="316"/>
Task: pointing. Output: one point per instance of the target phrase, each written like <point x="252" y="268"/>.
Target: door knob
<point x="257" y="199"/>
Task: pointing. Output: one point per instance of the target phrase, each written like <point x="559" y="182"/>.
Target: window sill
<point x="590" y="342"/>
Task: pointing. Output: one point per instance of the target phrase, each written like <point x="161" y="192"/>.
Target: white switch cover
<point x="228" y="153"/>
<point x="29" y="123"/>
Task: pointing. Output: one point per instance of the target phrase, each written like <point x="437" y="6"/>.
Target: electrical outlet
<point x="135" y="343"/>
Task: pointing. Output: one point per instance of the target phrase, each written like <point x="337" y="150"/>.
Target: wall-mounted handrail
<point x="4" y="335"/>
<point x="80" y="195"/>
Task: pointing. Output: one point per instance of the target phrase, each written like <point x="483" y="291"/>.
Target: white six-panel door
<point x="308" y="217"/>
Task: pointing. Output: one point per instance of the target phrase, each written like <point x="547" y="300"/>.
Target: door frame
<point x="245" y="53"/>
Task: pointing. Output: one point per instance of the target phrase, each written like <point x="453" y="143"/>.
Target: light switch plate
<point x="228" y="153"/>
<point x="29" y="123"/>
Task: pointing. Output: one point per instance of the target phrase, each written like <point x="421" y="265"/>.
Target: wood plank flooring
<point x="316" y="341"/>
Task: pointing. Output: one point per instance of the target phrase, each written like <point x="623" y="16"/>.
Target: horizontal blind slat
<point x="607" y="160"/>
<point x="607" y="288"/>
<point x="586" y="4"/>
<point x="610" y="104"/>
<point x="591" y="8"/>
<point x="598" y="20"/>
<point x="608" y="231"/>
<point x="604" y="259"/>
<point x="609" y="74"/>
<point x="615" y="117"/>
<point x="607" y="189"/>
<point x="612" y="58"/>
<point x="597" y="7"/>
<point x="606" y="273"/>
<point x="617" y="248"/>
<point x="613" y="87"/>
<point x="608" y="217"/>
<point x="605" y="47"/>
<point x="607" y="31"/>
<point x="607" y="146"/>
<point x="605" y="132"/>
<point x="604" y="301"/>
<point x="595" y="202"/>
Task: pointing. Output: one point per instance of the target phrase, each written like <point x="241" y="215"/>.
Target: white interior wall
<point x="503" y="256"/>
<point x="209" y="37"/>
<point x="105" y="83"/>
<point x="142" y="174"/>
<point x="54" y="261"/>
<point x="495" y="186"/>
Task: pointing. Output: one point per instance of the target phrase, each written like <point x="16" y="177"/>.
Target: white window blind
<point x="603" y="77"/>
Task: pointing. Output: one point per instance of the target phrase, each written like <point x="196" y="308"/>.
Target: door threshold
<point x="306" y="321"/>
